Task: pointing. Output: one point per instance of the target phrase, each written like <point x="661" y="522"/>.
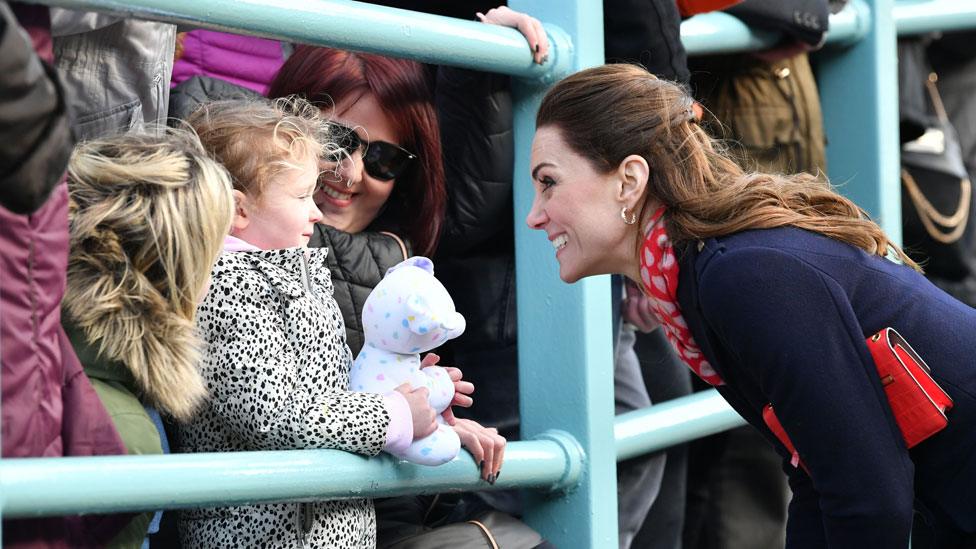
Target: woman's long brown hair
<point x="609" y="112"/>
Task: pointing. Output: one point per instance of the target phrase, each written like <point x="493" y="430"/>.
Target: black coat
<point x="358" y="263"/>
<point x="476" y="257"/>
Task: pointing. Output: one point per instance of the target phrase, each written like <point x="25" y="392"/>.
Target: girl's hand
<point x="424" y="417"/>
<point x="637" y="310"/>
<point x="486" y="446"/>
<point x="530" y="27"/>
<point x="462" y="389"/>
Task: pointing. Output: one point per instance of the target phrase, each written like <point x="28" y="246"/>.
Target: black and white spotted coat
<point x="277" y="368"/>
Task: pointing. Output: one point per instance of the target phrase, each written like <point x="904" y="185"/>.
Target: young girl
<point x="277" y="364"/>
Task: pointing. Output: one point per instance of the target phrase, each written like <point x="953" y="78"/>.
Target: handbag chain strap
<point x="955" y="223"/>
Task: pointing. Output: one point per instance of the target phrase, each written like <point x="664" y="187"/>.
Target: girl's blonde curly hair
<point x="257" y="139"/>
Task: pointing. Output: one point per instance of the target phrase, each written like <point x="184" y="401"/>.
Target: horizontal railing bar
<point x="457" y="42"/>
<point x="717" y="32"/>
<point x="673" y="422"/>
<point x="33" y="487"/>
<point x="352" y="25"/>
<point x="924" y="16"/>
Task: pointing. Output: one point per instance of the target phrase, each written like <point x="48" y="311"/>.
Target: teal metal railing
<point x="566" y="371"/>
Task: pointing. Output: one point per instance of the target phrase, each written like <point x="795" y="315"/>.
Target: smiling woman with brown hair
<point x="768" y="286"/>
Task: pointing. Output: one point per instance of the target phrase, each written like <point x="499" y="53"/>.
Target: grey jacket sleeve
<point x="33" y="122"/>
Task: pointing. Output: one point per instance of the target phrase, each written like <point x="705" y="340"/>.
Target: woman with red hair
<point x="384" y="108"/>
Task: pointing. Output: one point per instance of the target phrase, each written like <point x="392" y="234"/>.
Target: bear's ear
<point x="418" y="312"/>
<point x="418" y="261"/>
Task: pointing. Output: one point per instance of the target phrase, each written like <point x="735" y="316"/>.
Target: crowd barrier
<point x="566" y="369"/>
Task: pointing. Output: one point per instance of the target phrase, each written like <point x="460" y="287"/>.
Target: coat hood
<point x="128" y="322"/>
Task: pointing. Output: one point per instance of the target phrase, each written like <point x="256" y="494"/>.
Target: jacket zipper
<point x="303" y="523"/>
<point x="304" y="515"/>
<point x="306" y="277"/>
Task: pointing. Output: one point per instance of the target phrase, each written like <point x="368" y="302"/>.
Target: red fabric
<point x="687" y="8"/>
<point x="659" y="273"/>
<point x="769" y="417"/>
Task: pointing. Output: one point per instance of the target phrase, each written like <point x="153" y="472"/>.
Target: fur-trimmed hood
<point x="135" y="330"/>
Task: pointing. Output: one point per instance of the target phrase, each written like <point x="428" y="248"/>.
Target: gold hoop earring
<point x="628" y="220"/>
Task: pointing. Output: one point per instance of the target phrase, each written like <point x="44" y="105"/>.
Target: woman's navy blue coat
<point x="782" y="315"/>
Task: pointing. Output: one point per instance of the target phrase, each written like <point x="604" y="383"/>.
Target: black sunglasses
<point x="382" y="160"/>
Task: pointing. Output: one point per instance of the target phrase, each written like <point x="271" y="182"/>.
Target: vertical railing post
<point x="859" y="95"/>
<point x="565" y="350"/>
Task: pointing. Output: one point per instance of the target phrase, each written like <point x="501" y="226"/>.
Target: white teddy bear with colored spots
<point x="407" y="313"/>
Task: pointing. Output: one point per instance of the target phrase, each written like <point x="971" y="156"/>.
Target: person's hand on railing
<point x="462" y="389"/>
<point x="486" y="446"/>
<point x="530" y="27"/>
<point x="636" y="309"/>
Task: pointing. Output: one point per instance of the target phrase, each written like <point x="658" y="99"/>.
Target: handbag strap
<point x="955" y="223"/>
<point x="936" y="98"/>
<point x="486" y="532"/>
<point x="403" y="247"/>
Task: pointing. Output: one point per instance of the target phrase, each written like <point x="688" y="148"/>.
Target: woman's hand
<point x="462" y="389"/>
<point x="486" y="446"/>
<point x="424" y="417"/>
<point x="530" y="27"/>
<point x="637" y="309"/>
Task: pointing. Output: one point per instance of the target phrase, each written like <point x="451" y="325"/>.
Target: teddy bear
<point x="407" y="313"/>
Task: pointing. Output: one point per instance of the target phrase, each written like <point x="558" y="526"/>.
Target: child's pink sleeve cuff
<point x="400" y="433"/>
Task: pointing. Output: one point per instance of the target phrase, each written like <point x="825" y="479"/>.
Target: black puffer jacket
<point x="476" y="257"/>
<point x="358" y="263"/>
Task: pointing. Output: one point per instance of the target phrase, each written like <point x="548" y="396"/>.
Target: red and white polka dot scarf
<point x="659" y="272"/>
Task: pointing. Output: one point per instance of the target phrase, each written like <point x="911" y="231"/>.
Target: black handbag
<point x="937" y="203"/>
<point x="449" y="520"/>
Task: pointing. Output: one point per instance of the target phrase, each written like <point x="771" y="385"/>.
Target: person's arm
<point x="793" y="330"/>
<point x="33" y="122"/>
<point x="252" y="374"/>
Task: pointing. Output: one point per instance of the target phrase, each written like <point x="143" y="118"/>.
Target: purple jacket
<point x="244" y="60"/>
<point x="49" y="407"/>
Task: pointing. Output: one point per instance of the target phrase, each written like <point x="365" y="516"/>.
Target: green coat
<point x="117" y="390"/>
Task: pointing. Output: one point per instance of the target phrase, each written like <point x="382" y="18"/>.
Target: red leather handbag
<point x="916" y="400"/>
<point x="918" y="403"/>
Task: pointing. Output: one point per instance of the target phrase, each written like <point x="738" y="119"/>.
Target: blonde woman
<point x="767" y="286"/>
<point x="147" y="218"/>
